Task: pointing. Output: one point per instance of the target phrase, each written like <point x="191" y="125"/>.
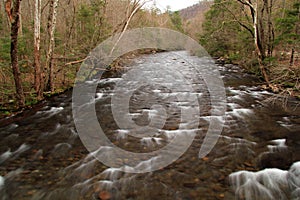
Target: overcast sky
<point x="174" y="4"/>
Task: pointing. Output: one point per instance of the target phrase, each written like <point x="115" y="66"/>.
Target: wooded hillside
<point x="262" y="36"/>
<point x="43" y="42"/>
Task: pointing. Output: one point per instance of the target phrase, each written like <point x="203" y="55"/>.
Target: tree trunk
<point x="137" y="4"/>
<point x="51" y="31"/>
<point x="292" y="57"/>
<point x="37" y="58"/>
<point x="15" y="25"/>
<point x="271" y="32"/>
<point x="258" y="43"/>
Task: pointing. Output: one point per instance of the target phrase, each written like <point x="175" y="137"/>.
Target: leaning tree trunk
<point x="37" y="57"/>
<point x="13" y="12"/>
<point x="50" y="53"/>
<point x="137" y="4"/>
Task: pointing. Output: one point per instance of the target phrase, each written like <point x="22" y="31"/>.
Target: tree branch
<point x="239" y="22"/>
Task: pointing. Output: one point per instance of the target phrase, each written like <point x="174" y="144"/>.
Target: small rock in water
<point x="104" y="195"/>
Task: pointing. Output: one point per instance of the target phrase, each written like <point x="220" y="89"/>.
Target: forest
<point x="43" y="42"/>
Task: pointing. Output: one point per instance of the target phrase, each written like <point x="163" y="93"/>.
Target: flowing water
<point x="42" y="157"/>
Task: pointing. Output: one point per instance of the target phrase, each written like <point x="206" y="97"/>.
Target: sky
<point x="174" y="4"/>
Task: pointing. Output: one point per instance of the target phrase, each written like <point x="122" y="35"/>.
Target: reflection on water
<point x="42" y="157"/>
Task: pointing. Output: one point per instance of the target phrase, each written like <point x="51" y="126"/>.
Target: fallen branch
<point x="75" y="62"/>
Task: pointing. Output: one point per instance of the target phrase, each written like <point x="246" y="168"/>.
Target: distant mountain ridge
<point x="194" y="10"/>
<point x="193" y="18"/>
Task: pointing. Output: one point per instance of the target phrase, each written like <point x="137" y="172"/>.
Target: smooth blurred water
<point x="42" y="157"/>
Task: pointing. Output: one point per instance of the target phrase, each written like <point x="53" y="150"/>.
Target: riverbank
<point x="10" y="109"/>
<point x="283" y="77"/>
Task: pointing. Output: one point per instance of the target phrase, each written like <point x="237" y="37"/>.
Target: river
<point x="256" y="156"/>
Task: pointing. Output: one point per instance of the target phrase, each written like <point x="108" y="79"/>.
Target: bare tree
<point x="258" y="34"/>
<point x="37" y="58"/>
<point x="51" y="30"/>
<point x="12" y="8"/>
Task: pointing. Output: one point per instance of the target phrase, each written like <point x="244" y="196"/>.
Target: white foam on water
<point x="91" y="82"/>
<point x="108" y="80"/>
<point x="152" y="113"/>
<point x="268" y="183"/>
<point x="294" y="177"/>
<point x="103" y="151"/>
<point x="277" y="145"/>
<point x="13" y="126"/>
<point x="285" y="124"/>
<point x="122" y="134"/>
<point x="240" y="112"/>
<point x="190" y="124"/>
<point x="134" y="115"/>
<point x="2" y="181"/>
<point x="238" y="140"/>
<point x="74" y="133"/>
<point x="233" y="106"/>
<point x="106" y="184"/>
<point x="53" y="110"/>
<point x="115" y="174"/>
<point x="99" y="95"/>
<point x="266" y="92"/>
<point x="50" y="113"/>
<point x="9" y="154"/>
<point x="111" y="174"/>
<point x="22" y="148"/>
<point x="150" y="141"/>
<point x="84" y="169"/>
<point x="57" y="128"/>
<point x="146" y="165"/>
<point x="171" y="134"/>
<point x="5" y="156"/>
<point x="156" y="91"/>
<point x="62" y="146"/>
<point x="256" y="94"/>
<point x="233" y="91"/>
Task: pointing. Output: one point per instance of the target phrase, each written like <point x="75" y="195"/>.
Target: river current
<point x="256" y="157"/>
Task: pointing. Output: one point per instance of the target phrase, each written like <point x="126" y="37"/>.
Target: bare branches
<point x="136" y="6"/>
<point x="247" y="3"/>
<point x="239" y="22"/>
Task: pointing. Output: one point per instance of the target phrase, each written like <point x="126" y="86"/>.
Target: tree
<point x="12" y="8"/>
<point x="50" y="53"/>
<point x="259" y="30"/>
<point x="223" y="33"/>
<point x="254" y="17"/>
<point x="289" y="28"/>
<point x="132" y="9"/>
<point x="37" y="59"/>
<point x="176" y="20"/>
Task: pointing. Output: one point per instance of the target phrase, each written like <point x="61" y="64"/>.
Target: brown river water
<point x="256" y="156"/>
